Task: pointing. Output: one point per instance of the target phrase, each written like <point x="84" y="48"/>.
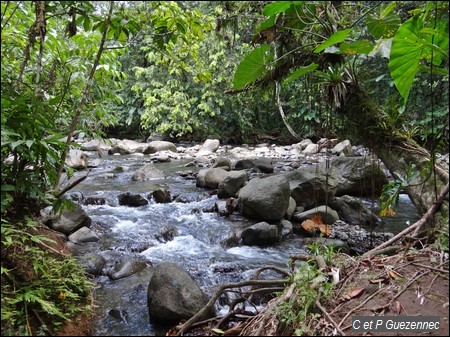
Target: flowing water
<point x="197" y="246"/>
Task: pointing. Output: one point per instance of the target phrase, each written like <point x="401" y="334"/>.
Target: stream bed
<point x="196" y="242"/>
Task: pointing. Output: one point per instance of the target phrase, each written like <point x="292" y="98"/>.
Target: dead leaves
<point x="316" y="224"/>
<point x="352" y="294"/>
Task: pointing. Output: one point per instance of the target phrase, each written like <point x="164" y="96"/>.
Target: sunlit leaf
<point x="252" y="67"/>
<point x="337" y="37"/>
<point x="357" y="47"/>
<point x="301" y="72"/>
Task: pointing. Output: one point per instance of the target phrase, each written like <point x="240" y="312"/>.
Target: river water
<point x="197" y="245"/>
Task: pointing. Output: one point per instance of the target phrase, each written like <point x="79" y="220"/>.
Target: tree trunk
<point x="367" y="124"/>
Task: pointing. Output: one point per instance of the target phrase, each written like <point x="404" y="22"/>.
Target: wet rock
<point x="69" y="221"/>
<point x="260" y="234"/>
<point x="82" y="235"/>
<point x="126" y="268"/>
<point x="173" y="295"/>
<point x="76" y="159"/>
<point x="146" y="172"/>
<point x="94" y="263"/>
<point x="161" y="196"/>
<point x="327" y="214"/>
<point x="265" y="199"/>
<point x="132" y="200"/>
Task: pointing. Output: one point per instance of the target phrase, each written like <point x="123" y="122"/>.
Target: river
<point x="197" y="245"/>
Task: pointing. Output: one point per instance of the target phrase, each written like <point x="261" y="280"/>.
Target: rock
<point x="211" y="177"/>
<point x="328" y="215"/>
<point x="132" y="200"/>
<point x="161" y="196"/>
<point x="344" y="147"/>
<point x="159" y="145"/>
<point x="208" y="147"/>
<point x="223" y="163"/>
<point x="147" y="172"/>
<point x="291" y="208"/>
<point x="126" y="268"/>
<point x="230" y="185"/>
<point x="120" y="148"/>
<point x="303" y="144"/>
<point x="311" y="149"/>
<point x="265" y="199"/>
<point x="93" y="262"/>
<point x="352" y="211"/>
<point x="82" y="235"/>
<point x="76" y="159"/>
<point x="173" y="295"/>
<point x="264" y="165"/>
<point x="69" y="221"/>
<point x="260" y="234"/>
<point x="95" y="144"/>
<point x="312" y="191"/>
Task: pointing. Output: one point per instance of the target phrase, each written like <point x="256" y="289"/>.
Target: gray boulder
<point x="126" y="268"/>
<point x="76" y="159"/>
<point x="69" y="221"/>
<point x="261" y="234"/>
<point x="93" y="262"/>
<point x="159" y="145"/>
<point x="231" y="184"/>
<point x="147" y="172"/>
<point x="173" y="295"/>
<point x="82" y="235"/>
<point x="265" y="199"/>
<point x="211" y="177"/>
<point x="329" y="215"/>
<point x="132" y="200"/>
<point x="312" y="191"/>
<point x="352" y="211"/>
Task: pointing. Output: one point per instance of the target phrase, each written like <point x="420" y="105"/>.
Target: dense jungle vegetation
<point x="375" y="72"/>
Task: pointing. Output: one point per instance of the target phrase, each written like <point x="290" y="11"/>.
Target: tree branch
<point x="415" y="226"/>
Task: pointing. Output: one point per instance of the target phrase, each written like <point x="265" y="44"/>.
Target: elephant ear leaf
<point x="412" y="43"/>
<point x="252" y="67"/>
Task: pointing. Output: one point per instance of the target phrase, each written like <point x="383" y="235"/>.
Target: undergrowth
<point x="40" y="289"/>
<point x="312" y="284"/>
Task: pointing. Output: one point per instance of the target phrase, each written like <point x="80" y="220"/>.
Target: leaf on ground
<point x="394" y="275"/>
<point x="353" y="293"/>
<point x="316" y="223"/>
<point x="397" y="307"/>
<point x="378" y="280"/>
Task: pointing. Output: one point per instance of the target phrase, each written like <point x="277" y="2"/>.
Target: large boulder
<point x="261" y="234"/>
<point x="69" y="221"/>
<point x="264" y="165"/>
<point x="346" y="175"/>
<point x="126" y="268"/>
<point x="208" y="147"/>
<point x="76" y="159"/>
<point x="173" y="295"/>
<point x="147" y="172"/>
<point x="265" y="199"/>
<point x="159" y="145"/>
<point x="231" y="184"/>
<point x="312" y="191"/>
<point x="352" y="211"/>
<point x="132" y="200"/>
<point x="210" y="177"/>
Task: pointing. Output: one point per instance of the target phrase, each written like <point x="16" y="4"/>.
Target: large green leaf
<point x="301" y="72"/>
<point x="386" y="25"/>
<point x="357" y="47"/>
<point x="337" y="37"/>
<point x="408" y="47"/>
<point x="276" y="7"/>
<point x="252" y="67"/>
